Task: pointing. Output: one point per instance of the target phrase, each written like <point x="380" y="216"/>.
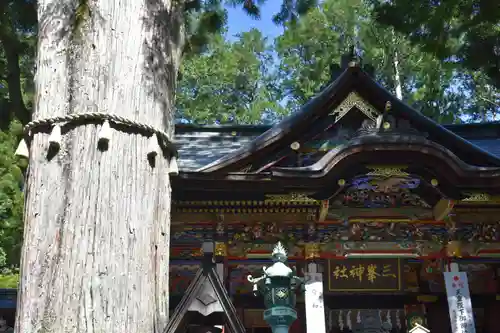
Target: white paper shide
<point x="457" y="290"/>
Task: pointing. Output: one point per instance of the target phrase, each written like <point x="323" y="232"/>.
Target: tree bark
<point x="95" y="256"/>
<point x="398" y="86"/>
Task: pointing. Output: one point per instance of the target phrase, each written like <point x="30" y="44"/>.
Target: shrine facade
<point x="371" y="198"/>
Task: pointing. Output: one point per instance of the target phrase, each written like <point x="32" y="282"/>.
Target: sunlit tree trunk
<point x="96" y="241"/>
<point x="398" y="86"/>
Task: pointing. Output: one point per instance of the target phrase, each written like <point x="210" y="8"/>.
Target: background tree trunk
<point x="398" y="86"/>
<point x="95" y="257"/>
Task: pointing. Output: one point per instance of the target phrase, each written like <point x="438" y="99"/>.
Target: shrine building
<point x="365" y="192"/>
<point x="369" y="196"/>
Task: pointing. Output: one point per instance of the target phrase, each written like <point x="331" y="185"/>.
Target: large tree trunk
<point x="95" y="257"/>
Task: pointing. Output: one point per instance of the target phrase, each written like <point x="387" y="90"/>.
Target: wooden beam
<point x="442" y="209"/>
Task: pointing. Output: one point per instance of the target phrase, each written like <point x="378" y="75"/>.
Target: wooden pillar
<point x="220" y="244"/>
<point x="220" y="253"/>
<point x="220" y="260"/>
<point x="491" y="316"/>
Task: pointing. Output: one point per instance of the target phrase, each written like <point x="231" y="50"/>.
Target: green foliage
<point x="17" y="47"/>
<point x="229" y="83"/>
<point x="308" y="49"/>
<point x="204" y="18"/>
<point x="11" y="198"/>
<point x="9" y="278"/>
<point x="292" y="10"/>
<point x="461" y="32"/>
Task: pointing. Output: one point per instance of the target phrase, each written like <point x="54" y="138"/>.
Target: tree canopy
<point x="229" y="83"/>
<point x="437" y="88"/>
<point x="460" y="32"/>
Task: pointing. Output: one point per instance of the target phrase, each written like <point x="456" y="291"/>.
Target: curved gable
<point x="352" y="90"/>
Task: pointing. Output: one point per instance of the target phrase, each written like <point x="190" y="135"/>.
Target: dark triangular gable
<point x="352" y="80"/>
<point x="206" y="274"/>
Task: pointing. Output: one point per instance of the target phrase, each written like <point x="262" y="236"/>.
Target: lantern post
<point x="278" y="286"/>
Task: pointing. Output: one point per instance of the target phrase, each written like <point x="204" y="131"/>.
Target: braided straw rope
<point x="99" y="116"/>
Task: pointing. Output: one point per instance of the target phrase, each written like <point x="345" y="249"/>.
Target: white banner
<point x="457" y="291"/>
<point x="315" y="309"/>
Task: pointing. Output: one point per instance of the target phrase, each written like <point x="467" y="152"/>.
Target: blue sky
<point x="238" y="21"/>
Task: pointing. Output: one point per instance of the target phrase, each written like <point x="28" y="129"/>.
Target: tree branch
<point x="489" y="101"/>
<point x="12" y="48"/>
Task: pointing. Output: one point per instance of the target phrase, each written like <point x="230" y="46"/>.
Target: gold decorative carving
<point x="197" y="253"/>
<point x="387" y="172"/>
<point x="312" y="251"/>
<point x="477" y="197"/>
<point x="220" y="249"/>
<point x="388" y="106"/>
<point x="454" y="249"/>
<point x="380" y="220"/>
<point x="311" y="216"/>
<point x="355" y="100"/>
<point x="427" y="298"/>
<point x="291" y="197"/>
<point x="323" y="211"/>
<point x="295" y="145"/>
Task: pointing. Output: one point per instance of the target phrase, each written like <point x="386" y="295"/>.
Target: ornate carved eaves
<point x="290" y="198"/>
<point x="477" y="197"/>
<point x="480" y="199"/>
<point x="273" y="203"/>
<point x="387" y="171"/>
<point x="355" y="100"/>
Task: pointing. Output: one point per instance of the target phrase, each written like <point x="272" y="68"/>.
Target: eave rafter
<point x="396" y="149"/>
<point x="445" y="179"/>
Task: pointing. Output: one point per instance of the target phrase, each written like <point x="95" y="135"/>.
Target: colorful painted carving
<point x="263" y="233"/>
<point x="380" y="192"/>
<point x="312" y="251"/>
<point x="379" y="231"/>
<point x="339" y="238"/>
<point x="181" y="275"/>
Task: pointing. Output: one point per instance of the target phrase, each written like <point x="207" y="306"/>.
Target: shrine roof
<point x="201" y="145"/>
<point x="351" y="106"/>
<point x="217" y="298"/>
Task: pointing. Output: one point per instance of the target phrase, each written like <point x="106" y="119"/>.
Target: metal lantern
<point x="278" y="285"/>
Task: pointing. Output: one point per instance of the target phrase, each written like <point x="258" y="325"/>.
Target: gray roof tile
<point x="200" y="148"/>
<point x="197" y="149"/>
<point x="492" y="146"/>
